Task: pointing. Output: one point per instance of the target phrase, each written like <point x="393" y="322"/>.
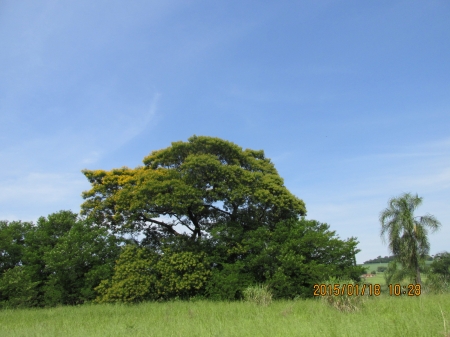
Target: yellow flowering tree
<point x="199" y="185"/>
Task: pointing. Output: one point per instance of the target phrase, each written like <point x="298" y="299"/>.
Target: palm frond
<point x="430" y="221"/>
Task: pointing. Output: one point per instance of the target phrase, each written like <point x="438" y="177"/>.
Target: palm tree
<point x="407" y="234"/>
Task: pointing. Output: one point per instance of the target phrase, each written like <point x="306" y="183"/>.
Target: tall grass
<point x="260" y="295"/>
<point x="380" y="316"/>
<point x="344" y="302"/>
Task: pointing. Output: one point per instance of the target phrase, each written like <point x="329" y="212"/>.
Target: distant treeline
<point x="380" y="259"/>
<point x="388" y="259"/>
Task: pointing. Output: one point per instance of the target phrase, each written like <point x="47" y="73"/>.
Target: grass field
<point x="373" y="266"/>
<point x="379" y="277"/>
<point x="380" y="316"/>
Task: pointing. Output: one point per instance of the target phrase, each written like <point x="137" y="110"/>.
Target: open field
<point x="381" y="316"/>
<point x="379" y="277"/>
<point x="373" y="266"/>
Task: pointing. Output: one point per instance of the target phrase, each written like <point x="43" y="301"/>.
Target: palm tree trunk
<point x="418" y="279"/>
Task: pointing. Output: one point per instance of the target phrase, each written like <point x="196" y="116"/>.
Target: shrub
<point x="141" y="275"/>
<point x="134" y="278"/>
<point x="441" y="264"/>
<point x="381" y="269"/>
<point x="182" y="274"/>
<point x="437" y="283"/>
<point x="260" y="295"/>
<point x="228" y="282"/>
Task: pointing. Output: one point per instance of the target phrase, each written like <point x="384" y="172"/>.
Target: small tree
<point x="441" y="265"/>
<point x="407" y="234"/>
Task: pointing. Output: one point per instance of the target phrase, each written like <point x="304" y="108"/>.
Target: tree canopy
<point x="200" y="184"/>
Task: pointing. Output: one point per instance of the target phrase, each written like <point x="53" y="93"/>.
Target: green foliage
<point x="79" y="261"/>
<point x="62" y="259"/>
<point x="380" y="259"/>
<point x="134" y="279"/>
<point x="381" y="269"/>
<point x="17" y="288"/>
<point x="32" y="273"/>
<point x="228" y="281"/>
<point x="183" y="274"/>
<point x="43" y="237"/>
<point x="12" y="239"/>
<point x="438" y="279"/>
<point x="291" y="258"/>
<point x="441" y="264"/>
<point x="407" y="236"/>
<point x="298" y="254"/>
<point x="140" y="274"/>
<point x="201" y="184"/>
<point x="260" y="295"/>
<point x="437" y="283"/>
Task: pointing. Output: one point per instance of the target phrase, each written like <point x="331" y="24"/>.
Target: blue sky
<point x="350" y="99"/>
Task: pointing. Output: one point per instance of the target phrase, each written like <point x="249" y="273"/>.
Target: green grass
<point x="379" y="277"/>
<point x="381" y="316"/>
<point x="373" y="266"/>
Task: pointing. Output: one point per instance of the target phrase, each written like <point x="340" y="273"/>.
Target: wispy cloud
<point x="40" y="173"/>
<point x="129" y="125"/>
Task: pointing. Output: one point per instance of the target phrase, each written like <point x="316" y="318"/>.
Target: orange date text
<point x="347" y="289"/>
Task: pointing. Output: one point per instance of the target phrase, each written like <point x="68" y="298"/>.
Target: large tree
<point x="407" y="234"/>
<point x="203" y="184"/>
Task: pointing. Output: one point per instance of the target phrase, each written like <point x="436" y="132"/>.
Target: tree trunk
<point x="418" y="280"/>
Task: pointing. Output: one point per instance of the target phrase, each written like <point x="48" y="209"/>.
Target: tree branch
<point x="183" y="223"/>
<point x="217" y="209"/>
<point x="167" y="227"/>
